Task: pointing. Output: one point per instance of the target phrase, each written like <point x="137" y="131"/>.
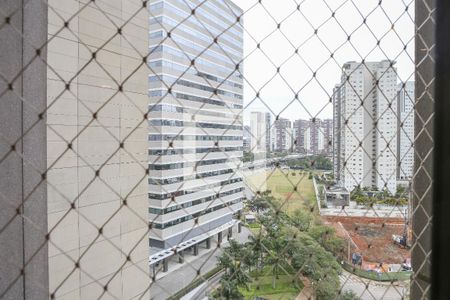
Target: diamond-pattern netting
<point x="222" y="149"/>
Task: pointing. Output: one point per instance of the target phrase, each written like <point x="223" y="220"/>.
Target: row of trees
<point x="319" y="162"/>
<point x="297" y="244"/>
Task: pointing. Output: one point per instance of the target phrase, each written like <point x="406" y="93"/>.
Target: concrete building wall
<point x="89" y="180"/>
<point x="23" y="188"/>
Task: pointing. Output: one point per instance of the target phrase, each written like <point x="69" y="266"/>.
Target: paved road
<point x="373" y="290"/>
<point x="180" y="275"/>
<point x="205" y="289"/>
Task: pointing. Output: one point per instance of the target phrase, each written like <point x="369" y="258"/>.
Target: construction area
<point x="373" y="238"/>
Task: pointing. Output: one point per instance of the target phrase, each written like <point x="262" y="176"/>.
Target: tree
<point x="349" y="295"/>
<point x="258" y="204"/>
<point x="326" y="288"/>
<point x="248" y="156"/>
<point x="318" y="265"/>
<point x="250" y="259"/>
<point x="235" y="274"/>
<point x="326" y="237"/>
<point x="301" y="220"/>
<point x="228" y="289"/>
<point x="254" y="247"/>
<point x="323" y="163"/>
<point x="401" y="192"/>
<point x="298" y="243"/>
<point x="234" y="250"/>
<point x="278" y="248"/>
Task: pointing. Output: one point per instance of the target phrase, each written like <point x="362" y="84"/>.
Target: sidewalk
<point x="180" y="275"/>
<point x="307" y="292"/>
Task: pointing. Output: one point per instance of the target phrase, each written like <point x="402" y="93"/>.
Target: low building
<point x="337" y="196"/>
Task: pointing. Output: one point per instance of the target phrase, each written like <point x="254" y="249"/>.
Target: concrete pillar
<point x="219" y="238"/>
<point x="423" y="149"/>
<point x="23" y="150"/>
<point x="230" y="233"/>
<point x="165" y="263"/>
<point x="195" y="249"/>
<point x="181" y="257"/>
<point x="154" y="271"/>
<point x="208" y="243"/>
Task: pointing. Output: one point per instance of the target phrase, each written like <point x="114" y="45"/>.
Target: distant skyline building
<point x="405" y="138"/>
<point x="247" y="139"/>
<point x="327" y="130"/>
<point x="268" y="131"/>
<point x="282" y="135"/>
<point x="366" y="151"/>
<point x="258" y="129"/>
<point x="299" y="129"/>
<point x="313" y="136"/>
<point x="195" y="116"/>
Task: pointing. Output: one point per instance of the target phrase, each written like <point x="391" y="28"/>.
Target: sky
<point x="277" y="49"/>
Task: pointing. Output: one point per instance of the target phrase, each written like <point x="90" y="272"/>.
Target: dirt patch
<point x="372" y="237"/>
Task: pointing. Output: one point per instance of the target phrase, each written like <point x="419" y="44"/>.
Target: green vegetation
<point x="370" y="196"/>
<point x="278" y="154"/>
<point x="319" y="162"/>
<point x="392" y="276"/>
<point x="262" y="287"/>
<point x="285" y="247"/>
<point x="349" y="295"/>
<point x="248" y="156"/>
<point x="254" y="228"/>
<point x="290" y="190"/>
<point x="258" y="204"/>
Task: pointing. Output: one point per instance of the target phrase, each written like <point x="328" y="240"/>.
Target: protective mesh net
<point x="272" y="149"/>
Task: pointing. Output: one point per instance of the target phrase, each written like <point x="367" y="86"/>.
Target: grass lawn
<point x="262" y="287"/>
<point x="281" y="296"/>
<point x="282" y="183"/>
<point x="254" y="228"/>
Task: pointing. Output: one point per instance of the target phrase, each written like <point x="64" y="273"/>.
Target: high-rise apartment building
<point x="313" y="136"/>
<point x="327" y="130"/>
<point x="268" y="131"/>
<point x="195" y="115"/>
<point x="282" y="135"/>
<point x="300" y="126"/>
<point x="337" y="133"/>
<point x="405" y="138"/>
<point x="258" y="129"/>
<point x="365" y="110"/>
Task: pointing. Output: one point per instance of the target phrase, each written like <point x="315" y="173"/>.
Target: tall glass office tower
<point x="195" y="117"/>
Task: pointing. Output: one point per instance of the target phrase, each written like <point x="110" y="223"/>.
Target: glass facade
<point x="195" y="117"/>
